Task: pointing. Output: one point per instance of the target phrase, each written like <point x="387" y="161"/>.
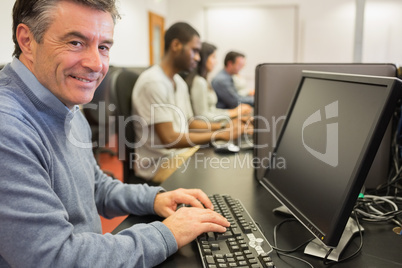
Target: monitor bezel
<point x="342" y="214"/>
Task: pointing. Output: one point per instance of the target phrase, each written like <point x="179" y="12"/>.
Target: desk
<point x="233" y="175"/>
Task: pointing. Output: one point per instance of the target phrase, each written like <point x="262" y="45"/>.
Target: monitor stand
<point x="317" y="248"/>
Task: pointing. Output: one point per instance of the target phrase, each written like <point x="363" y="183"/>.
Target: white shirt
<point x="155" y="101"/>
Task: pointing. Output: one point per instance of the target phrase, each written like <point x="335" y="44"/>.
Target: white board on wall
<point x="264" y="33"/>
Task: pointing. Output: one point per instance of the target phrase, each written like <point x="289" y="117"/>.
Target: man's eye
<point x="104" y="48"/>
<point x="75" y="43"/>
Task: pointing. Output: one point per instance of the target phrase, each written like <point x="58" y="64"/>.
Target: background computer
<point x="328" y="141"/>
<point x="276" y="84"/>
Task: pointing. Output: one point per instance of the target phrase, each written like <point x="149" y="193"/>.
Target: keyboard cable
<point x="284" y="252"/>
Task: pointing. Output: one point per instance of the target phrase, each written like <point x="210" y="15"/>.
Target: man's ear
<point x="176" y="45"/>
<point x="25" y="40"/>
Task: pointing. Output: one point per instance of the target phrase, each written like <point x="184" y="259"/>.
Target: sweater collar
<point x="43" y="94"/>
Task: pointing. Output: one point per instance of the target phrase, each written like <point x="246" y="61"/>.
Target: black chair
<point x="121" y="91"/>
<point x="98" y="115"/>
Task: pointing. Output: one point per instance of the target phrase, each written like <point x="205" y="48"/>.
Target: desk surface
<point x="233" y="175"/>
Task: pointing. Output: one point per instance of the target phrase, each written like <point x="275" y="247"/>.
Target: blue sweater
<point x="51" y="189"/>
<point x="228" y="98"/>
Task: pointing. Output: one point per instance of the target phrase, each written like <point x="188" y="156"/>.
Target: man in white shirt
<point x="162" y="105"/>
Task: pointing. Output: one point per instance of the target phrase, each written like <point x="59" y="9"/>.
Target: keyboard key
<point x="210" y="259"/>
<point x="236" y="232"/>
<point x="207" y="252"/>
<point x="224" y="236"/>
<point x="247" y="229"/>
<point x="215" y="247"/>
<point x="252" y="260"/>
<point x="210" y="236"/>
<point x="240" y="258"/>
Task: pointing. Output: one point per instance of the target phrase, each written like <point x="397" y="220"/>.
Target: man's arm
<point x="173" y="139"/>
<point x="247" y="100"/>
<point x="206" y="125"/>
<point x="114" y="198"/>
<point x="37" y="230"/>
<point x="226" y="92"/>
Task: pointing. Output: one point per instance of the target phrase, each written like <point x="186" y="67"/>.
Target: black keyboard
<point x="243" y="244"/>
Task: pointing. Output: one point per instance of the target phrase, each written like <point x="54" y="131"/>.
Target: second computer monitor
<point x="276" y="84"/>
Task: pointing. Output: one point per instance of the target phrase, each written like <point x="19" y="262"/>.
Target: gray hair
<point x="38" y="15"/>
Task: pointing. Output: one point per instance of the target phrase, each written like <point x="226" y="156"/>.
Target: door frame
<point x="155" y="21"/>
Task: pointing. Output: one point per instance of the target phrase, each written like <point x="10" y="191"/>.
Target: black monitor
<point x="276" y="84"/>
<point x="329" y="139"/>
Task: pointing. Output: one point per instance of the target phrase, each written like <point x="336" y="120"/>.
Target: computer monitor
<point x="329" y="139"/>
<point x="276" y="83"/>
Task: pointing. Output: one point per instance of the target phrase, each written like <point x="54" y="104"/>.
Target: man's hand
<point x="234" y="129"/>
<point x="166" y="203"/>
<point x="245" y="109"/>
<point x="189" y="222"/>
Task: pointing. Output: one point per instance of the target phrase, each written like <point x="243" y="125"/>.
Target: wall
<point x="382" y="37"/>
<point x="6" y="44"/>
<point x="275" y="43"/>
<point x="323" y="32"/>
<point x="131" y="32"/>
<point x="325" y="28"/>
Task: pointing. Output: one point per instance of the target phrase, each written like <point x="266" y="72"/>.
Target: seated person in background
<point x="51" y="189"/>
<point x="222" y="83"/>
<point x="203" y="97"/>
<point x="162" y="106"/>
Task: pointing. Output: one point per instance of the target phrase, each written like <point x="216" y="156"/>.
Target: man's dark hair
<point x="182" y="31"/>
<point x="232" y="56"/>
<point x="38" y="15"/>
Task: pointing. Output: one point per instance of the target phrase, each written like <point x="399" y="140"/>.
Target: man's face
<point x="189" y="55"/>
<point x="73" y="57"/>
<point x="238" y="65"/>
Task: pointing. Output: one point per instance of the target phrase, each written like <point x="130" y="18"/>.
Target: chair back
<point x="122" y="88"/>
<point x="98" y="114"/>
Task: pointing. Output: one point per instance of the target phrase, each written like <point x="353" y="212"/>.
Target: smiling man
<point x="51" y="189"/>
<point x="72" y="56"/>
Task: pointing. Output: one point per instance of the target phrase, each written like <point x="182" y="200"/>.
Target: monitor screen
<point x="276" y="83"/>
<point x="327" y="144"/>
